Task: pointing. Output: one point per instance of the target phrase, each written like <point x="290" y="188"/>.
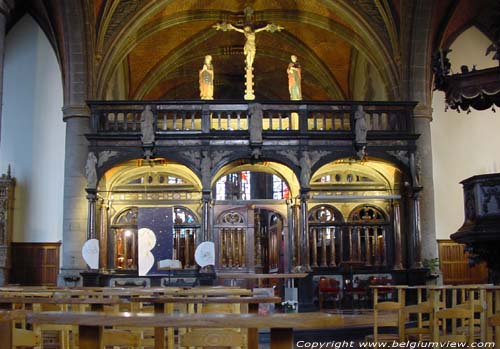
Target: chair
<point x="387" y="314"/>
<point x="423" y="328"/>
<point x="216" y="337"/>
<point x="442" y="331"/>
<point x="494" y="321"/>
<point x="328" y="287"/>
<point x="385" y="293"/>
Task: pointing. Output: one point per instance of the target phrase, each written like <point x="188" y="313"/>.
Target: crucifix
<point x="249" y="49"/>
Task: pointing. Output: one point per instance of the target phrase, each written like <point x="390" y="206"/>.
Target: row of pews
<point x="96" y="318"/>
<point x="443" y="314"/>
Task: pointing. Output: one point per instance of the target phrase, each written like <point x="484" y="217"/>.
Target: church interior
<point x="302" y="167"/>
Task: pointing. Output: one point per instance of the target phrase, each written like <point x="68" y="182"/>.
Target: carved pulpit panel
<point x="7" y="184"/>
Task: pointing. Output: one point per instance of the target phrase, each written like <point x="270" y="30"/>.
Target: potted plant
<point x="432" y="266"/>
<point x="289" y="306"/>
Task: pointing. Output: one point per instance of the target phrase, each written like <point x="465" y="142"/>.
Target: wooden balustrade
<point x="232" y="248"/>
<point x="366" y="245"/>
<point x="207" y="117"/>
<point x="185" y="246"/>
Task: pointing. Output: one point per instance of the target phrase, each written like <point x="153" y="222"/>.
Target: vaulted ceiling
<point x="348" y="49"/>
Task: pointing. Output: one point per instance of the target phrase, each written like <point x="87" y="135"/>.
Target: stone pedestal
<point x="249" y="94"/>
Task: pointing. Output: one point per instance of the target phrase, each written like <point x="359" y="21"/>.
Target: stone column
<point x="7" y="184"/>
<point x="5" y="7"/>
<point x="416" y="230"/>
<point x="206" y="216"/>
<point x="75" y="203"/>
<point x="91" y="198"/>
<point x="304" y="238"/>
<point x="296" y="235"/>
<point x="424" y="174"/>
<point x="103" y="236"/>
<point x="396" y="213"/>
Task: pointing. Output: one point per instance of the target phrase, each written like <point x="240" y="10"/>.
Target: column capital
<point x="75" y="111"/>
<point x="423" y="111"/>
<point x="6" y="6"/>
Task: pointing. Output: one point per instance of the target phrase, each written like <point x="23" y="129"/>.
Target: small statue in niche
<point x="207" y="79"/>
<point x="91" y="171"/>
<point x="294" y="79"/>
<point x="147" y="126"/>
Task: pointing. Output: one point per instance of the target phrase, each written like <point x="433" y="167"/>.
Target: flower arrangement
<point x="289" y="306"/>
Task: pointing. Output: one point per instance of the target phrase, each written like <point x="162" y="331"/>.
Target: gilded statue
<point x="207" y="79"/>
<point x="294" y="79"/>
<point x="250" y="48"/>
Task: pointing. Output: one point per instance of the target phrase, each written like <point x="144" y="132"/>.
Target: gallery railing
<point x="214" y="118"/>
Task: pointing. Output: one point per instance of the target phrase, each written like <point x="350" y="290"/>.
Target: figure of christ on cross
<point x="249" y="49"/>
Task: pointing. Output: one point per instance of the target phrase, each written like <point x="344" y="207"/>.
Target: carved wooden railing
<point x="212" y="118"/>
<point x="362" y="245"/>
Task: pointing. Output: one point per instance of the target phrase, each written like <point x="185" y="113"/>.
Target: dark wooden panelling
<point x="35" y="264"/>
<point x="454" y="264"/>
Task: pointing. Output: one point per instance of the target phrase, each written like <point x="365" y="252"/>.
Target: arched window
<point x="248" y="185"/>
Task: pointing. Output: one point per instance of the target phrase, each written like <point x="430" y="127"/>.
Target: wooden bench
<point x="91" y="324"/>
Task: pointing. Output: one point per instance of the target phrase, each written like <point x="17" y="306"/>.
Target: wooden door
<point x="35" y="264"/>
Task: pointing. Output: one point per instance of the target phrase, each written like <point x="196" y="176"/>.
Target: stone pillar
<point x="396" y="213"/>
<point x="5" y="7"/>
<point x="304" y="238"/>
<point x="206" y="216"/>
<point x="103" y="236"/>
<point x="296" y="235"/>
<point x="91" y="198"/>
<point x="416" y="231"/>
<point x="75" y="182"/>
<point x="424" y="174"/>
<point x="7" y="184"/>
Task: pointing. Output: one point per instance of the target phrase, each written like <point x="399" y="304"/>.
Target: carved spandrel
<point x="104" y="156"/>
<point x="290" y="155"/>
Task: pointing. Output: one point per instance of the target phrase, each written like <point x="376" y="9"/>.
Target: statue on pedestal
<point x="360" y="128"/>
<point x="147" y="126"/>
<point x="207" y="79"/>
<point x="294" y="79"/>
<point x="360" y="131"/>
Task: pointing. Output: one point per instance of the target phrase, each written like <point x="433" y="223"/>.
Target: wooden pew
<point x="216" y="304"/>
<point x="281" y="325"/>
